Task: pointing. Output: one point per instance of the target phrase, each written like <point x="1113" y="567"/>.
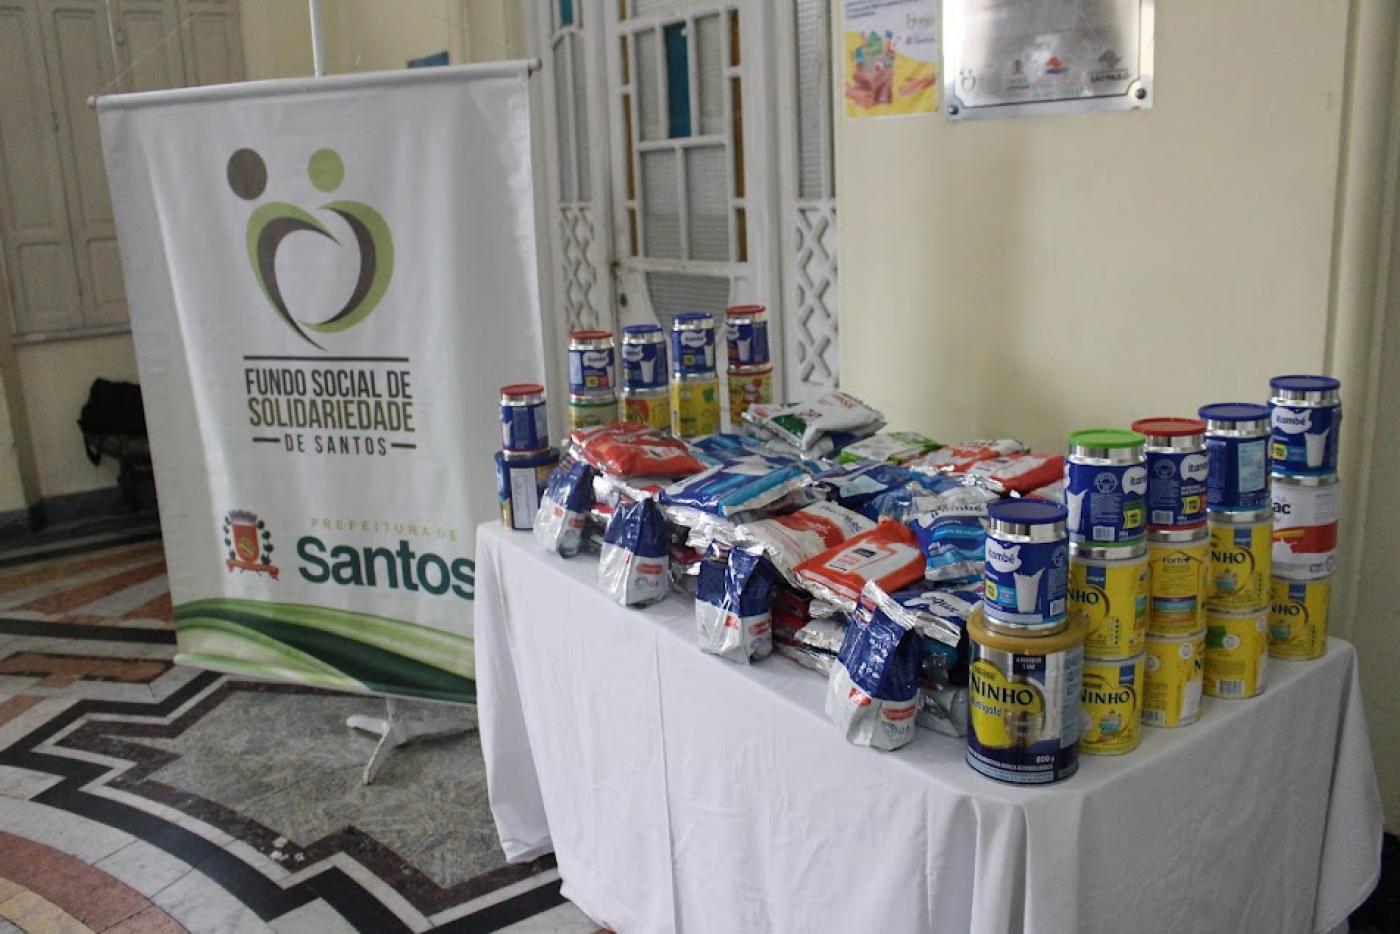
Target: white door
<point x="213" y="41"/>
<point x="144" y="33"/>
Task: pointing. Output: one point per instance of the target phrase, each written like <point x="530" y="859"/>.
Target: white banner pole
<point x="318" y="45"/>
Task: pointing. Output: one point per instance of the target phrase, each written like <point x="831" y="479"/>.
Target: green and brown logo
<point x="274" y="221"/>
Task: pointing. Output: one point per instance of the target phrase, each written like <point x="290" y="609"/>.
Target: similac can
<point x="651" y="407"/>
<point x="524" y="420"/>
<point x="643" y="357"/>
<point x="693" y="344"/>
<point x="1173" y="676"/>
<point x="1240" y="561"/>
<point x="1110" y="702"/>
<point x="592" y="368"/>
<point x="1109" y="590"/>
<point x="1237" y="445"/>
<point x="1305" y="413"/>
<point x="1177" y="470"/>
<point x="520" y="482"/>
<point x="1023" y="704"/>
<point x="1305" y="526"/>
<point x="748" y="385"/>
<point x="1179" y="562"/>
<point x="1298" y="618"/>
<point x="1026" y="571"/>
<point x="746" y="333"/>
<point x="1106" y="486"/>
<point x="587" y="411"/>
<point x="694" y="405"/>
<point x="1237" y="653"/>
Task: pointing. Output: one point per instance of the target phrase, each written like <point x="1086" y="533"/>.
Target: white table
<point x="681" y="792"/>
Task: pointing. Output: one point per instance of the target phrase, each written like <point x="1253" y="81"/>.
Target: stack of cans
<point x="592" y="379"/>
<point x="645" y="398"/>
<point x="750" y="364"/>
<point x="1241" y="526"/>
<point x="526" y="460"/>
<point x="1178" y="553"/>
<point x="694" y="379"/>
<point x="1305" y="420"/>
<point x="1109" y="587"/>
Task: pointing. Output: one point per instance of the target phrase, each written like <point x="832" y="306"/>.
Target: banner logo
<point x="273" y="222"/>
<point x="249" y="544"/>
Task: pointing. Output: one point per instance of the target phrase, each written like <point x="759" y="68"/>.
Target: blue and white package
<point x="564" y="508"/>
<point x="726" y="448"/>
<point x="854" y="486"/>
<point x="872" y="693"/>
<point x="940" y="617"/>
<point x="729" y="489"/>
<point x="953" y="543"/>
<point x="733" y="612"/>
<point x="634" y="567"/>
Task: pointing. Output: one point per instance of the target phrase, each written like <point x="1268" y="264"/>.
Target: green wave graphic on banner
<point x="326" y="647"/>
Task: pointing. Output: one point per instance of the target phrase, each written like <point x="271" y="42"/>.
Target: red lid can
<point x="740" y="311"/>
<point x="590" y="335"/>
<point x="522" y="389"/>
<point x="1169" y="427"/>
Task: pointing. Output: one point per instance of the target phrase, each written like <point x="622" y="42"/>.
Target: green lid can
<point x="1107" y="445"/>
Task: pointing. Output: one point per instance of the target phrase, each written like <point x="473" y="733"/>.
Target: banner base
<point x="394" y="730"/>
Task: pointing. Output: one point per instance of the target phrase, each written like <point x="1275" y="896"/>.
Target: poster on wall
<point x="1007" y="58"/>
<point x="329" y="281"/>
<point x="890" y="55"/>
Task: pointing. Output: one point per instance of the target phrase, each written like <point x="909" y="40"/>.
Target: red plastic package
<point x="1016" y="473"/>
<point x="628" y="450"/>
<point x="957" y="458"/>
<point x="887" y="554"/>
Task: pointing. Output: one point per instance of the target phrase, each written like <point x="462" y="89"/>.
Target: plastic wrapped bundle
<point x="634" y="567"/>
<point x="953" y="543"/>
<point x="565" y="508"/>
<point x="887" y="554"/>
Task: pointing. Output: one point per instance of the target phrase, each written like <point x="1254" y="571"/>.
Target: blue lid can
<point x="1026" y="572"/>
<point x="644" y="364"/>
<point x="693" y="344"/>
<point x="1305" y="415"/>
<point x="1237" y="454"/>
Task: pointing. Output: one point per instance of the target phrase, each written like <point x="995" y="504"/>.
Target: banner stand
<point x="394" y="730"/>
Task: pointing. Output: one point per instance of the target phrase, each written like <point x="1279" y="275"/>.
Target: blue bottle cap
<point x="1302" y="383"/>
<point x="1027" y="511"/>
<point x="1234" y="412"/>
<point x="641" y="328"/>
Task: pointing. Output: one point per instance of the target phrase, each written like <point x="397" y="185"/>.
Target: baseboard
<point x="101" y="503"/>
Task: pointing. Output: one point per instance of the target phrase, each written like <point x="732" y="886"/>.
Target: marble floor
<point x="139" y="795"/>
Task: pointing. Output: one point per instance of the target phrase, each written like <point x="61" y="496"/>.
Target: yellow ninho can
<point x="1172" y="682"/>
<point x="650" y="407"/>
<point x="1109" y="594"/>
<point x="1237" y="653"/>
<point x="694" y="406"/>
<point x="1111" y="703"/>
<point x="1179" y="561"/>
<point x="1241" y="560"/>
<point x="1298" y="618"/>
<point x="748" y="385"/>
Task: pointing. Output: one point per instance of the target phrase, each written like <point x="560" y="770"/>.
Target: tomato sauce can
<point x="1298" y="618"/>
<point x="1305" y="526"/>
<point x="1241" y="564"/>
<point x="1237" y="654"/>
<point x="644" y="365"/>
<point x="1109" y="589"/>
<point x="592" y="367"/>
<point x="524" y="418"/>
<point x="1173" y="676"/>
<point x="1179" y="562"/>
<point x="746" y="334"/>
<point x="1106" y="487"/>
<point x="1110" y="700"/>
<point x="1177" y="471"/>
<point x="1305" y="415"/>
<point x="1237" y="447"/>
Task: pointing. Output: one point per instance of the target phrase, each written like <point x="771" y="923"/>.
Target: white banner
<point x="329" y="281"/>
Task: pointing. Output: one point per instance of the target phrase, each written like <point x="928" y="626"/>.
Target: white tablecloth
<point x="681" y="792"/>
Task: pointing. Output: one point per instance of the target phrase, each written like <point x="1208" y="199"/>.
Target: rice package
<point x="728" y="489"/>
<point x="952" y="543"/>
<point x="892" y="447"/>
<point x="733" y="616"/>
<point x="634" y="566"/>
<point x="803" y="424"/>
<point x="1016" y="473"/>
<point x="791" y="539"/>
<point x="627" y="450"/>
<point x="872" y="693"/>
<point x="888" y="555"/>
<point x="565" y="508"/>
<point x="957" y="458"/>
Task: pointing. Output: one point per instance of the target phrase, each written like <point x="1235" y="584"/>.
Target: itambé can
<point x="592" y="367"/>
<point x="1305" y="414"/>
<point x="524" y="418"/>
<point x="1177" y="471"/>
<point x="693" y="344"/>
<point x="520" y="482"/>
<point x="644" y="366"/>
<point x="1106" y="487"/>
<point x="746" y="334"/>
<point x="1237" y="446"/>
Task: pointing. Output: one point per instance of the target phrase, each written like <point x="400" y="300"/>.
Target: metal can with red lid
<point x="592" y="363"/>
<point x="746" y="333"/>
<point x="1178" y="471"/>
<point x="524" y="420"/>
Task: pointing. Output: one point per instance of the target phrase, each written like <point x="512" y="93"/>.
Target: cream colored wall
<point x="12" y="491"/>
<point x="276" y="38"/>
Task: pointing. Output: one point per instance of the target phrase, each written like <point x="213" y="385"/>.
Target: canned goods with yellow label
<point x="748" y="385"/>
<point x="1237" y="653"/>
<point x="1298" y="618"/>
<point x="1241" y="561"/>
<point x="1109" y="594"/>
<point x="694" y="406"/>
<point x="1179" y="561"/>
<point x="1111" y="702"/>
<point x="1172" y="681"/>
<point x="588" y="411"/>
<point x="650" y="407"/>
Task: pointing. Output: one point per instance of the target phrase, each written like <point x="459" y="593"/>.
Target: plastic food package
<point x="732" y="613"/>
<point x="952" y="543"/>
<point x="734" y="488"/>
<point x="1054" y="492"/>
<point x="565" y="508"/>
<point x="957" y="458"/>
<point x="802" y="424"/>
<point x="1016" y="473"/>
<point x="806" y="656"/>
<point x="726" y="448"/>
<point x="825" y="635"/>
<point x="887" y="554"/>
<point x="940" y="617"/>
<point x="892" y="447"/>
<point x="791" y="539"/>
<point x="635" y="563"/>
<point x="872" y="693"/>
<point x="855" y="486"/>
<point x="628" y="450"/>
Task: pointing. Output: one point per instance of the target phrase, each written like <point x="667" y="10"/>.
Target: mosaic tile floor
<point x="137" y="795"/>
